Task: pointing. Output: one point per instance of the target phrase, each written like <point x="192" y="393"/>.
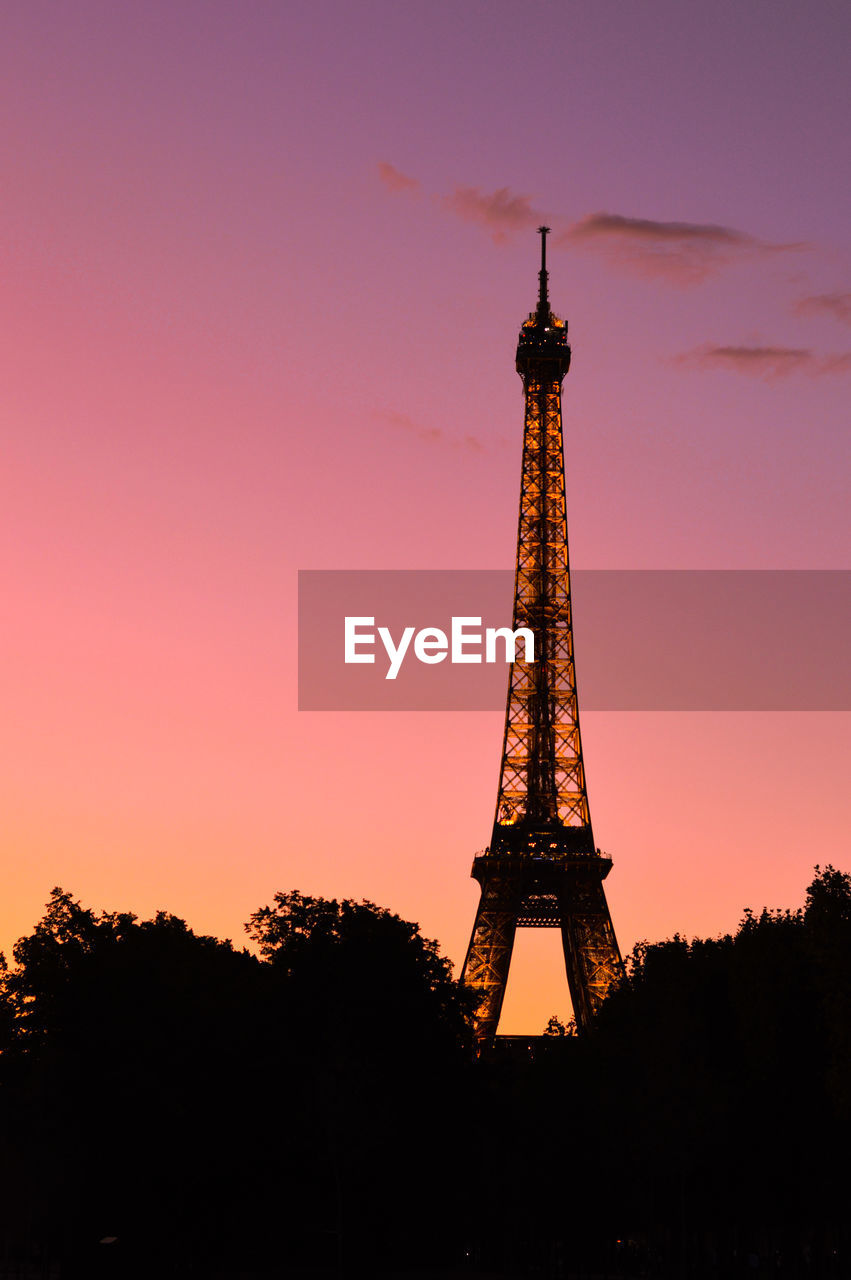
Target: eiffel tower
<point x="542" y="868"/>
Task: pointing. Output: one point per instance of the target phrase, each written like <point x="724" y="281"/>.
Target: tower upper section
<point x="543" y="353"/>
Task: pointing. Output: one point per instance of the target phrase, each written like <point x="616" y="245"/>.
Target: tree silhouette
<point x="383" y="1032"/>
<point x="317" y="1106"/>
<point x="125" y="1038"/>
<point x="354" y="971"/>
<point x="191" y="1101"/>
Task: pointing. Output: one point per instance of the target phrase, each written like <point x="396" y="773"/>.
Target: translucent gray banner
<point x="645" y="640"/>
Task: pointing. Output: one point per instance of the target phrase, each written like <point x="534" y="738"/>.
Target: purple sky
<point x="263" y="268"/>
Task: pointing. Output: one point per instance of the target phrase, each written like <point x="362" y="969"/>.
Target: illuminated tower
<point x="542" y="868"/>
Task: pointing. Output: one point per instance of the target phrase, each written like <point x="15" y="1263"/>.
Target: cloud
<point x="501" y="213"/>
<point x="768" y="363"/>
<point x="683" y="252"/>
<point x="430" y="435"/>
<point x="394" y="180"/>
<point x="840" y="362"/>
<point x="837" y="305"/>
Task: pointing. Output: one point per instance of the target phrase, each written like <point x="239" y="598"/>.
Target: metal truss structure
<point x="542" y="868"/>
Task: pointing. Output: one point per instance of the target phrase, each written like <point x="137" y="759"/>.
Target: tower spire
<point x="543" y="279"/>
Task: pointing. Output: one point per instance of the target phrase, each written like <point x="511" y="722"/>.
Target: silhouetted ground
<point x="173" y="1106"/>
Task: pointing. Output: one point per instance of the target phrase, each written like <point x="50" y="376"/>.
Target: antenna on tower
<point x="543" y="277"/>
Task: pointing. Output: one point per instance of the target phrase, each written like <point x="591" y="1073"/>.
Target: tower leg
<point x="591" y="956"/>
<point x="489" y="953"/>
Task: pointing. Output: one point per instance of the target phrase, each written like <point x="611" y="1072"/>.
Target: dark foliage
<point x="192" y="1103"/>
<point x="706" y="1120"/>
<point x="316" y="1108"/>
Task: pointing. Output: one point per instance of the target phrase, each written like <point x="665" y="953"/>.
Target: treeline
<point x="705" y="1128"/>
<point x="173" y="1105"/>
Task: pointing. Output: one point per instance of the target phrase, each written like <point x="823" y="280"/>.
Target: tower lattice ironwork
<point x="542" y="868"/>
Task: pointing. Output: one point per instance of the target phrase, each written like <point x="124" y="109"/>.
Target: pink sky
<point x="263" y="268"/>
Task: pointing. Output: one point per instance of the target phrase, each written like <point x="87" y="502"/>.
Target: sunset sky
<point x="263" y="267"/>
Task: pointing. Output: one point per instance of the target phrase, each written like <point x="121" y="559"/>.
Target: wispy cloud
<point x="500" y="213"/>
<point x="429" y="435"/>
<point x="395" y="180"/>
<point x="683" y="252"/>
<point x="769" y="363"/>
<point x="840" y="362"/>
<point x="837" y="305"/>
